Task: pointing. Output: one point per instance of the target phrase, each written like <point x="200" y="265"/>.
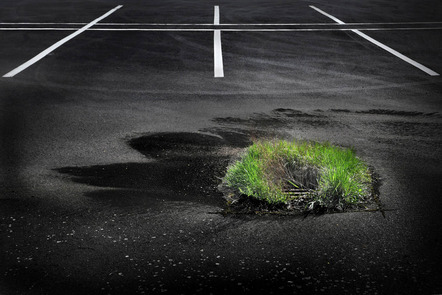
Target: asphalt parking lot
<point x="114" y="140"/>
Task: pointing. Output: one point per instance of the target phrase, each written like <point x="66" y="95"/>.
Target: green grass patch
<point x="307" y="174"/>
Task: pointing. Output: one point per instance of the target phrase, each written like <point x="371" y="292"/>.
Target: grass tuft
<point x="284" y="172"/>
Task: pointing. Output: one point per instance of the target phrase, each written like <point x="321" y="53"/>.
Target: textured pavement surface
<point x="112" y="147"/>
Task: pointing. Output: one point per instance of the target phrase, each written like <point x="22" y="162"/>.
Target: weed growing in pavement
<point x="301" y="175"/>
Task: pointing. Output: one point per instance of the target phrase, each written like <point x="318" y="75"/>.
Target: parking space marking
<point x="324" y="30"/>
<point x="398" y="54"/>
<point x="216" y="15"/>
<point x="216" y="27"/>
<point x="109" y="29"/>
<point x="217" y="50"/>
<point x="58" y="44"/>
<point x="328" y="24"/>
<point x="381" y="45"/>
<point x="327" y="15"/>
<point x="224" y="24"/>
<point x="223" y="29"/>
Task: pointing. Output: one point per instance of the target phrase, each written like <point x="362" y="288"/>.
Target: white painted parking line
<point x="379" y="44"/>
<point x="216" y="16"/>
<point x="395" y="53"/>
<point x="217" y="28"/>
<point x="110" y="29"/>
<point x="58" y="44"/>
<point x="224" y="24"/>
<point x="217" y="51"/>
<point x="225" y="30"/>
<point x="328" y="24"/>
<point x="218" y="56"/>
<point x="38" y="29"/>
<point x="323" y="30"/>
<point x="328" y="15"/>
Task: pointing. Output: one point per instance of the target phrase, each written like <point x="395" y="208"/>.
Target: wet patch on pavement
<point x="183" y="167"/>
<point x="397" y="113"/>
<point x="281" y="118"/>
<point x="389" y="112"/>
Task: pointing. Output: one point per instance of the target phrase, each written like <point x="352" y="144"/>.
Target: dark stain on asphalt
<point x="281" y="118"/>
<point x="387" y="112"/>
<point x="340" y="110"/>
<point x="170" y="145"/>
<point x="395" y="113"/>
<point x="290" y="113"/>
<point x="184" y="167"/>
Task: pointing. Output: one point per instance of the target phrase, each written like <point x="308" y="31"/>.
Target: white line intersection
<point x="217" y="28"/>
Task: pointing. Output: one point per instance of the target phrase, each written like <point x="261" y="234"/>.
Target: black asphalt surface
<point x="112" y="147"/>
